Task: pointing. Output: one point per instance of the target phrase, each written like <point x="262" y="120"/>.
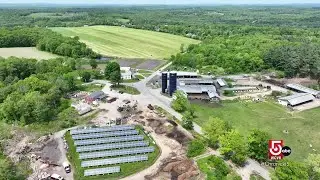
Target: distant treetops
<point x="45" y="40"/>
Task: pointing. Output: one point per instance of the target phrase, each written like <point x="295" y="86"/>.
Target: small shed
<point x="97" y="95"/>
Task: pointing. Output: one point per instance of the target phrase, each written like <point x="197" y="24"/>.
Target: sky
<point x="162" y="1"/>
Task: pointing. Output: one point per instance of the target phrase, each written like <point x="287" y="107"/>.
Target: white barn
<point x="296" y="99"/>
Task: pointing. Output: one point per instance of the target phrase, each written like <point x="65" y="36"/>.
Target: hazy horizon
<point x="160" y="2"/>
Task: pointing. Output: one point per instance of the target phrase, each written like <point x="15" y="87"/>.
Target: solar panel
<point x="118" y="160"/>
<point x="101" y="129"/>
<point x="108" y="140"/>
<point x="112" y="146"/>
<point x="121" y="152"/>
<point x="101" y="171"/>
<point x="104" y="134"/>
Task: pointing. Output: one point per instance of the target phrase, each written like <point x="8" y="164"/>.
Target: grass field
<point x="303" y="127"/>
<point x="26" y="52"/>
<point x="127" y="42"/>
<point x="126" y="168"/>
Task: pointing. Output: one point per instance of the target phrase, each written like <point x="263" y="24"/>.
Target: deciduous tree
<point x="258" y="144"/>
<point x="234" y="146"/>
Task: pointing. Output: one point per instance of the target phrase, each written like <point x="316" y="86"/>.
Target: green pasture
<point x="303" y="127"/>
<point x="127" y="42"/>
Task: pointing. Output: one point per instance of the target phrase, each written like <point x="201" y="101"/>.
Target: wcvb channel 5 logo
<point x="277" y="150"/>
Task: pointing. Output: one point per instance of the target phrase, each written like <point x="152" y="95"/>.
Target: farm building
<point x="296" y="99"/>
<point x="303" y="89"/>
<point x="242" y="89"/>
<point x="126" y="73"/>
<point x="195" y="81"/>
<point x="220" y="83"/>
<point x="200" y="92"/>
<point x="98" y="95"/>
<point x="183" y="74"/>
<point x="82" y="108"/>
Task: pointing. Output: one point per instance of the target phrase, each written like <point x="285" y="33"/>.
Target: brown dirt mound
<point x="178" y="136"/>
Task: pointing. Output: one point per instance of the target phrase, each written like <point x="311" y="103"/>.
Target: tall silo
<point x="164" y="79"/>
<point x="172" y="83"/>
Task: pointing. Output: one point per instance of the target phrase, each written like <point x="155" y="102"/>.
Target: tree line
<point x="45" y="40"/>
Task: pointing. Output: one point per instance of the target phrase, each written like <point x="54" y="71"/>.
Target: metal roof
<point x="197" y="88"/>
<point x="221" y="82"/>
<point x="303" y="89"/>
<point x="298" y="98"/>
<point x="213" y="94"/>
<point x="183" y="81"/>
<point x="241" y="88"/>
<point x="96" y="94"/>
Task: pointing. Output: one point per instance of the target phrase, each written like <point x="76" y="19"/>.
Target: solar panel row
<point x="112" y="146"/>
<point x="117" y="160"/>
<point x="120" y="152"/>
<point x="101" y="171"/>
<point x="105" y="134"/>
<point x="108" y="140"/>
<point x="101" y="129"/>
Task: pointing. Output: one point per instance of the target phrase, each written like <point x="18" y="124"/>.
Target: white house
<point x="126" y="73"/>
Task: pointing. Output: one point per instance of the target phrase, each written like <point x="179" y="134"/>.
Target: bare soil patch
<point x="150" y="64"/>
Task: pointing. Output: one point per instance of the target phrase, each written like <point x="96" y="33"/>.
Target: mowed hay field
<point x="26" y="52"/>
<point x="303" y="127"/>
<point x="127" y="42"/>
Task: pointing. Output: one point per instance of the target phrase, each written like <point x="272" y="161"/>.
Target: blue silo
<point x="164" y="79"/>
<point x="172" y="83"/>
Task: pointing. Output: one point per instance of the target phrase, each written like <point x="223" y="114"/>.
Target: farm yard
<point x="126" y="42"/>
<point x="26" y="52"/>
<point x="303" y="127"/>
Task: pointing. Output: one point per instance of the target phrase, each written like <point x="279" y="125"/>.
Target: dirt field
<point x="150" y="64"/>
<point x="26" y="52"/>
<point x="133" y="63"/>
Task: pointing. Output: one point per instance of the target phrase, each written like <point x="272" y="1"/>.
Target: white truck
<point x="67" y="167"/>
<point x="56" y="177"/>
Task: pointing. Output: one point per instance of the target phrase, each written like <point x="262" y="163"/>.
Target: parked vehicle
<point x="56" y="177"/>
<point x="66" y="167"/>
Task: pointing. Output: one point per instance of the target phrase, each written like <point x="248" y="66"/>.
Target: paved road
<point x="152" y="96"/>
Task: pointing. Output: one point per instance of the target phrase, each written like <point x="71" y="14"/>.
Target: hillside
<point x="127" y="42"/>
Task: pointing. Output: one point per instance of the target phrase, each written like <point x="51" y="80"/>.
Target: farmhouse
<point x="303" y="89"/>
<point x="296" y="99"/>
<point x="98" y="95"/>
<point x="126" y="73"/>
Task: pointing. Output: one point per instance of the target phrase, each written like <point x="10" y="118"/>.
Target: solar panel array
<point x="101" y="171"/>
<point x="112" y="146"/>
<point x="121" y="152"/>
<point x="104" y="134"/>
<point x="101" y="129"/>
<point x="123" y="141"/>
<point x="108" y="140"/>
<point x="118" y="160"/>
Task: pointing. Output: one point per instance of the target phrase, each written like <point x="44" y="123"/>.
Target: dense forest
<point x="45" y="40"/>
<point x="160" y="16"/>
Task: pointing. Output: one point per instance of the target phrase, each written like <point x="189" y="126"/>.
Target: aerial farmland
<point x="126" y="42"/>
